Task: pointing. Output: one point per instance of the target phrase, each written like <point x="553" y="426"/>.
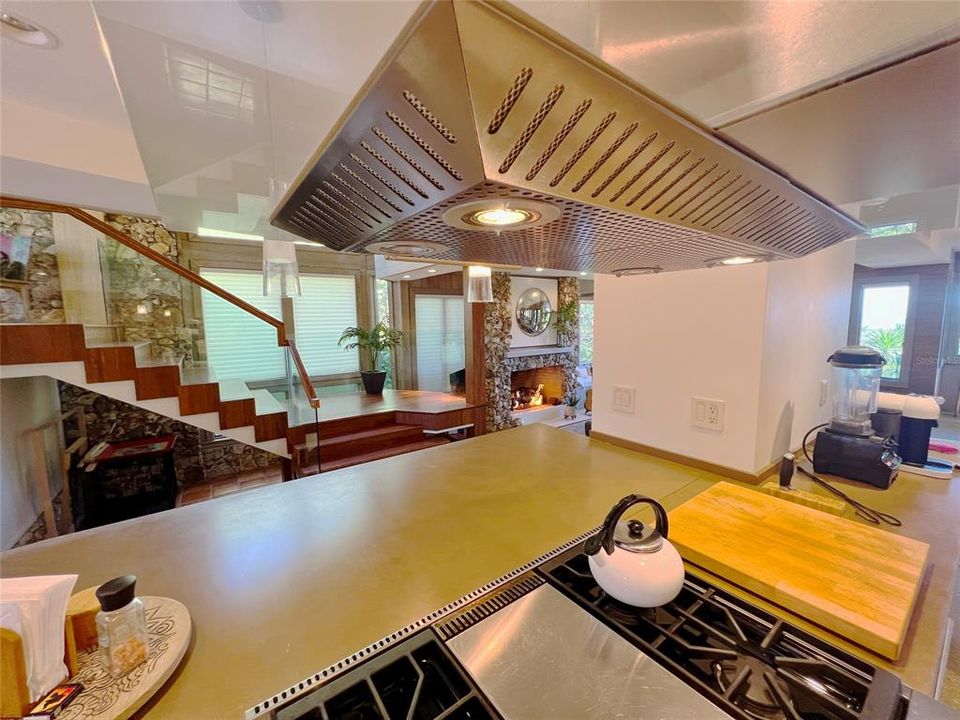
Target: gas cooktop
<point x="546" y="643"/>
<point x="747" y="661"/>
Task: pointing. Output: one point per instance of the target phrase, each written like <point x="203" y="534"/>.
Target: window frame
<point x="856" y="312"/>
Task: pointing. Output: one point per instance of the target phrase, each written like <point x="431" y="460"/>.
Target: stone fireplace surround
<point x="500" y="367"/>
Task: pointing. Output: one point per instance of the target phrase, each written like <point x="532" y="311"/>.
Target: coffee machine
<point x="847" y="446"/>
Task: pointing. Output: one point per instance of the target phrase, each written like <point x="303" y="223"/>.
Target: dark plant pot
<point x="373" y="381"/>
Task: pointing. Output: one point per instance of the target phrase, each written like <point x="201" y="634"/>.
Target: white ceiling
<point x="220" y="156"/>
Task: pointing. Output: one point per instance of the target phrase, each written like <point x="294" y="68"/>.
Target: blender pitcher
<point x="855" y="376"/>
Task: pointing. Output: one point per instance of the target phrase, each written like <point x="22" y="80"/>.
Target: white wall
<point x="517" y="287"/>
<point x="808" y="309"/>
<point x="25" y="403"/>
<point x="674" y="336"/>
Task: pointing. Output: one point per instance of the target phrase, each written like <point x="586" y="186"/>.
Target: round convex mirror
<point x="533" y="311"/>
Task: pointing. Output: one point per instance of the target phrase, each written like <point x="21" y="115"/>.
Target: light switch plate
<point x="707" y="413"/>
<point x="624" y="398"/>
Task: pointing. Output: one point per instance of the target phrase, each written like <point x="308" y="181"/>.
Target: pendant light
<point x="479" y="284"/>
<point x="280" y="270"/>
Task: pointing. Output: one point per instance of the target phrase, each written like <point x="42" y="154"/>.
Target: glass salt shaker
<point x="121" y="626"/>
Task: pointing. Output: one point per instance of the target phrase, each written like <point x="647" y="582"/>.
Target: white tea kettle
<point x="634" y="563"/>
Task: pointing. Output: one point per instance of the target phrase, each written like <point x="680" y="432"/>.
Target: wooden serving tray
<point x="855" y="580"/>
<point x="108" y="698"/>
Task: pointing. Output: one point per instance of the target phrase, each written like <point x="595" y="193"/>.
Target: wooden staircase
<point x="196" y="391"/>
<point x="344" y="443"/>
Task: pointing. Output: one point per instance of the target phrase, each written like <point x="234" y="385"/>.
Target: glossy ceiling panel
<point x="720" y="60"/>
<point x="228" y="99"/>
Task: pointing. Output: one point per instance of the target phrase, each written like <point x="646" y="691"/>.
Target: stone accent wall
<point x="496" y="342"/>
<point x="497" y="339"/>
<point x="142" y="297"/>
<point x="46" y="299"/>
<point x="111" y="421"/>
<point x="197" y="457"/>
<point x="568" y="289"/>
<point x="229" y="457"/>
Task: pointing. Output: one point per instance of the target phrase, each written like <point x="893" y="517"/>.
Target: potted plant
<point x="373" y="342"/>
<point x="565" y="319"/>
<point x="571" y="402"/>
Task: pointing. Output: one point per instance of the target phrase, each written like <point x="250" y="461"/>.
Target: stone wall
<point x="197" y="456"/>
<point x="42" y="273"/>
<point x="142" y="297"/>
<point x="568" y="290"/>
<point x="112" y="420"/>
<point x="496" y="343"/>
<point x="229" y="457"/>
<point x="497" y="339"/>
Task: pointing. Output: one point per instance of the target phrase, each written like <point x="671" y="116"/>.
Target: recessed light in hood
<point x="409" y="248"/>
<point x="477" y="104"/>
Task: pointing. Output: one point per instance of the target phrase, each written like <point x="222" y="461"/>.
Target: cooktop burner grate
<point x="414" y="680"/>
<point x="749" y="662"/>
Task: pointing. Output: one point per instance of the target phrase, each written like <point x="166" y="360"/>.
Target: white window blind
<point x="239" y="346"/>
<point x="328" y="304"/>
<point x="439" y="320"/>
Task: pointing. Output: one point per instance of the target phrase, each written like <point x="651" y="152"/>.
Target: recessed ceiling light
<point x="431" y="270"/>
<point x="539" y="269"/>
<point x="626" y="272"/>
<point x="21" y="30"/>
<point x="501" y="214"/>
<point x="406" y="277"/>
<point x="736" y="260"/>
<point x="583" y="272"/>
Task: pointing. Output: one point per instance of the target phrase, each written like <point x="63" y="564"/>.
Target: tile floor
<point x="227" y="485"/>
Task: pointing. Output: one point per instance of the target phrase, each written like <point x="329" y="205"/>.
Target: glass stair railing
<point x="142" y="314"/>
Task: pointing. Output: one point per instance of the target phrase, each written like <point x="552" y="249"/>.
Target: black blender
<point x="847" y="446"/>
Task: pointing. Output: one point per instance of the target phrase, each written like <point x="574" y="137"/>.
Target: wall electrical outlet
<point x="624" y="398"/>
<point x="707" y="414"/>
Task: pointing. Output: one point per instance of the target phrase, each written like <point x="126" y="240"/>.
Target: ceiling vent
<point x="478" y="105"/>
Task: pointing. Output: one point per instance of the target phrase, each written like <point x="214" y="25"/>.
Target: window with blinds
<point x="241" y="347"/>
<point x="439" y="322"/>
<point x="328" y="304"/>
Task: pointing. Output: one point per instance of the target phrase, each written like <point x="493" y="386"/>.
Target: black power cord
<point x="862" y="511"/>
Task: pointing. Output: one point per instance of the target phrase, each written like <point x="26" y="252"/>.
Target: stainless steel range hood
<point x="477" y="102"/>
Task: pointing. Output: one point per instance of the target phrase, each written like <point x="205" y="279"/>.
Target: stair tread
<point x="382" y="454"/>
<point x="118" y="344"/>
<point x="234" y="390"/>
<point x="197" y="376"/>
<point x="160" y="362"/>
<point x="387" y="430"/>
<point x="265" y="403"/>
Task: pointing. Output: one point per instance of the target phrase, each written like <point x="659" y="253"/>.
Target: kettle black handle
<point x="604" y="538"/>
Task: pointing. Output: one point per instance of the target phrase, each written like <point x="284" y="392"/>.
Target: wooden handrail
<point x="173" y="266"/>
<point x="304" y="376"/>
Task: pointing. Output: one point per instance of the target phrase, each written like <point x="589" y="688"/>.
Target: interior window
<point x="243" y="348"/>
<point x="327" y="305"/>
<point x="883" y="323"/>
<point x="439" y="341"/>
<point x="239" y="346"/>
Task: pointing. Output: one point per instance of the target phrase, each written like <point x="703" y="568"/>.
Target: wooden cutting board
<point x="855" y="580"/>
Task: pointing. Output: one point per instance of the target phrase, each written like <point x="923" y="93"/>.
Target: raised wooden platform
<point x="356" y="427"/>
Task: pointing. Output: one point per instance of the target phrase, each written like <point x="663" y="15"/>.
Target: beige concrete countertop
<point x="287" y="579"/>
<point x="284" y="580"/>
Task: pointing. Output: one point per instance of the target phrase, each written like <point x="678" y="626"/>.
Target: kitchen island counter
<point x="285" y="580"/>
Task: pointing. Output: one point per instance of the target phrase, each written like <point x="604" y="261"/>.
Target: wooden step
<point x="28" y="343"/>
<point x="381" y="454"/>
<point x="358" y="443"/>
